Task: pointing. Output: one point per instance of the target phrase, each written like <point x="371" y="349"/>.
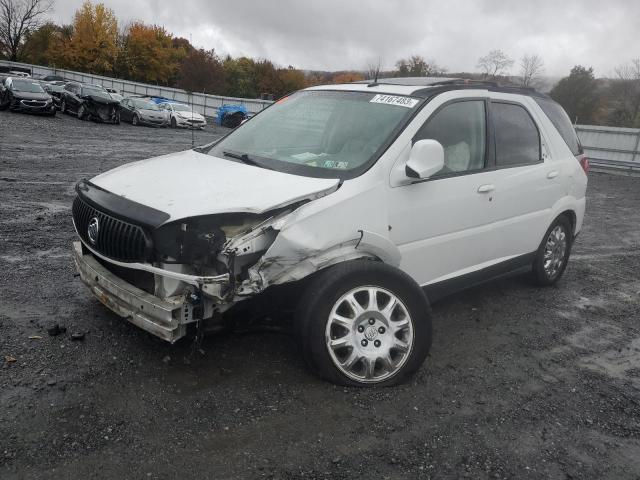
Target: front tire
<point x="135" y="121"/>
<point x="63" y="106"/>
<point x="81" y="112"/>
<point x="364" y="323"/>
<point x="553" y="253"/>
<point x="174" y="124"/>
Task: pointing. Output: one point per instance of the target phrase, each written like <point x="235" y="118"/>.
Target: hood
<point x="189" y="184"/>
<point x="31" y="96"/>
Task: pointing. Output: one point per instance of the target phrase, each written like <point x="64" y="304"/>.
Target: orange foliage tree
<point x="148" y="54"/>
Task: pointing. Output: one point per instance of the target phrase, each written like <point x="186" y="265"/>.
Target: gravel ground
<point x="520" y="383"/>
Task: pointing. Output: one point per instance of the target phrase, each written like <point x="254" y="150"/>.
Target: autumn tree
<point x="417" y="66"/>
<point x="531" y="67"/>
<point x="290" y="79"/>
<point x="93" y="47"/>
<point x="201" y="71"/>
<point x="347" y="77"/>
<point x="495" y="63"/>
<point x="578" y="94"/>
<point x="624" y="95"/>
<point x="148" y="54"/>
<point x="240" y="77"/>
<point x="17" y="19"/>
<point x="37" y="44"/>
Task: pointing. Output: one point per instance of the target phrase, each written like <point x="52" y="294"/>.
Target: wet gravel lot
<point x="521" y="382"/>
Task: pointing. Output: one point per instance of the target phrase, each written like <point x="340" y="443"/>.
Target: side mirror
<point x="425" y="159"/>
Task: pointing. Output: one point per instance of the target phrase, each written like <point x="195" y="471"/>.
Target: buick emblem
<point x="92" y="230"/>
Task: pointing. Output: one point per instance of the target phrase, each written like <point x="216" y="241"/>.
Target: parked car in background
<point x="359" y="203"/>
<point x="54" y="88"/>
<point x="142" y="111"/>
<point x="90" y="102"/>
<point x="53" y="78"/>
<point x="25" y="95"/>
<point x="180" y="115"/>
<point x="18" y="73"/>
<point x="115" y="94"/>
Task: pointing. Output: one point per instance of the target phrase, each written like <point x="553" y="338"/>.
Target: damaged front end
<point x="101" y="109"/>
<point x="163" y="276"/>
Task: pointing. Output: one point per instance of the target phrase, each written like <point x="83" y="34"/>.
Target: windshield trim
<point x="315" y="172"/>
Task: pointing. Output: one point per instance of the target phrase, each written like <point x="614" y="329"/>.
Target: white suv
<point x="356" y="204"/>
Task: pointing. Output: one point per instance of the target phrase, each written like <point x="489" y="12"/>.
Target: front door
<point x="442" y="225"/>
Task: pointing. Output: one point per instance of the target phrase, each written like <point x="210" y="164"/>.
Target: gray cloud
<point x="344" y="34"/>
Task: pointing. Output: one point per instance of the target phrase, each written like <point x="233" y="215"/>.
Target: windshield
<point x="181" y="108"/>
<point x="26" y="86"/>
<point x="145" y="105"/>
<point x="319" y="133"/>
<point x="96" y="92"/>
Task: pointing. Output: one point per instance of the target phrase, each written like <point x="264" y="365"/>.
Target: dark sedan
<point x="26" y="95"/>
<point x="89" y="102"/>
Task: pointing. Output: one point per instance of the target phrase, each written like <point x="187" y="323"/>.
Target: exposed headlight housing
<point x="199" y="240"/>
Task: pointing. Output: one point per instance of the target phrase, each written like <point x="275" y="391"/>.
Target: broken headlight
<point x="199" y="240"/>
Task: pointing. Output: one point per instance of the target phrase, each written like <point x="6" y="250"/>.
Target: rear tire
<point x="379" y="341"/>
<point x="174" y="124"/>
<point x="63" y="106"/>
<point x="553" y="253"/>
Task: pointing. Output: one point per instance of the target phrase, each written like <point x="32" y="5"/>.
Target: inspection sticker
<point x="395" y="100"/>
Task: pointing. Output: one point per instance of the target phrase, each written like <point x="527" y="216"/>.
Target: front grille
<point x="115" y="239"/>
<point x="33" y="103"/>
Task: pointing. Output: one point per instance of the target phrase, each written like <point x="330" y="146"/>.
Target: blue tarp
<point x="229" y="109"/>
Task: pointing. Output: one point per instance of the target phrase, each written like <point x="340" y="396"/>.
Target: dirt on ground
<point x="521" y="382"/>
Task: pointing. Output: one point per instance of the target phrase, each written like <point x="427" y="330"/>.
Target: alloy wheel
<point x="555" y="251"/>
<point x="369" y="334"/>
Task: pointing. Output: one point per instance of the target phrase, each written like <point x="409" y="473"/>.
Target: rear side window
<point x="561" y="121"/>
<point x="517" y="136"/>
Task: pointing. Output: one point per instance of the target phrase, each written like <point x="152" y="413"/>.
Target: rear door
<point x="527" y="182"/>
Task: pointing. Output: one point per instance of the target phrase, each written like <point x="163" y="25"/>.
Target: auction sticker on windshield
<point x="395" y="100"/>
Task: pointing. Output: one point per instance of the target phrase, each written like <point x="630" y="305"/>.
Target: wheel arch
<point x="571" y="215"/>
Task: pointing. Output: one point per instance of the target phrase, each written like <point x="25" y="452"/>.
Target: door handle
<point x="486" y="188"/>
<point x="553" y="174"/>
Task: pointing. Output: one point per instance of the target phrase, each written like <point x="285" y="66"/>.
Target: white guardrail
<point x="202" y="102"/>
<point x="613" y="148"/>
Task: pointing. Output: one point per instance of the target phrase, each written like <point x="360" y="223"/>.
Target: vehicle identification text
<point x="395" y="100"/>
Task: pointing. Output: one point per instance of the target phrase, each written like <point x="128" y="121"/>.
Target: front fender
<point x="292" y="257"/>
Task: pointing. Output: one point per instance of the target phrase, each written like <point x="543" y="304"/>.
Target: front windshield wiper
<point x="244" y="157"/>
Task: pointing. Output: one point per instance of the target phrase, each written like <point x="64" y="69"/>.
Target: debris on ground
<point x="56" y="330"/>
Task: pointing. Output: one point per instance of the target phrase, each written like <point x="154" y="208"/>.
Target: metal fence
<point x="611" y="147"/>
<point x="204" y="103"/>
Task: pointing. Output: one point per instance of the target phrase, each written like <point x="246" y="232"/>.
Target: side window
<point x="517" y="136"/>
<point x="461" y="129"/>
<point x="561" y="121"/>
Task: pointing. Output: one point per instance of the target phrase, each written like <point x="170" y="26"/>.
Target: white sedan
<point x="183" y="116"/>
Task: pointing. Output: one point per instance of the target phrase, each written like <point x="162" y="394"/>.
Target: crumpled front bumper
<point x="165" y="318"/>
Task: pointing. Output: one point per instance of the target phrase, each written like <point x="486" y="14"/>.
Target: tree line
<point x="95" y="42"/>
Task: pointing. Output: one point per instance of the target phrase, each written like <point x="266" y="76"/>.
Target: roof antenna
<point x="375" y="80"/>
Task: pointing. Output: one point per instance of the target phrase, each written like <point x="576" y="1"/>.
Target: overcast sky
<point x="350" y="34"/>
